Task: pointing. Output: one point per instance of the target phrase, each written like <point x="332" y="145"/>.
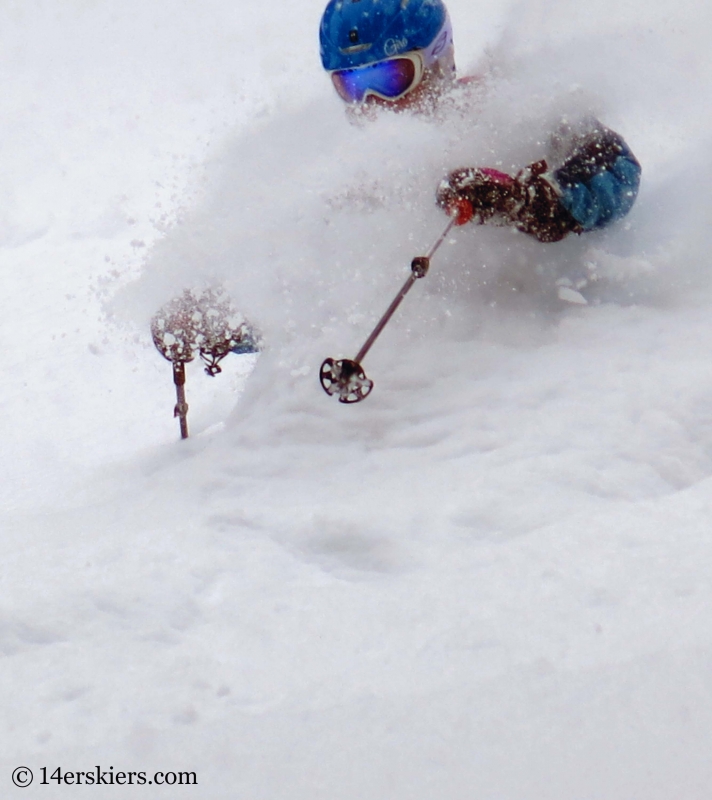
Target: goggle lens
<point x="389" y="79"/>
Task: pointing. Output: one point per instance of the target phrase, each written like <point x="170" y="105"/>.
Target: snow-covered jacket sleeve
<point x="598" y="181"/>
<point x="589" y="179"/>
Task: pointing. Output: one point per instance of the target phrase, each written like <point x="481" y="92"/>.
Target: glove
<point x="528" y="202"/>
<point x="479" y="194"/>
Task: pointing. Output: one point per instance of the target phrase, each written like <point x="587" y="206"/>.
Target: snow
<point x="488" y="580"/>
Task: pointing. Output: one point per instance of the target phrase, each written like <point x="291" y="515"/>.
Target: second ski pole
<point x="345" y="377"/>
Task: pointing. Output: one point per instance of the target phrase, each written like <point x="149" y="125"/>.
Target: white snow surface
<point x="490" y="580"/>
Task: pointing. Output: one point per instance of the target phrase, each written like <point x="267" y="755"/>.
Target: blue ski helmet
<point x="354" y="33"/>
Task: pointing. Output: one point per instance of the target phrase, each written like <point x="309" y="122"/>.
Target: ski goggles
<point x="390" y="79"/>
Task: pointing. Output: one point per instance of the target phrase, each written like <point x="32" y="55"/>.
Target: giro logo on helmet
<point x="392" y="47"/>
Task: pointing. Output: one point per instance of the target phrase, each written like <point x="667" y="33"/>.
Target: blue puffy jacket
<point x="599" y="180"/>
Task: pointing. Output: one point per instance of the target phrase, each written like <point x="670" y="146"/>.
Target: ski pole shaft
<point x="181" y="409"/>
<point x="385" y="318"/>
<point x="441" y="239"/>
<point x="419" y="268"/>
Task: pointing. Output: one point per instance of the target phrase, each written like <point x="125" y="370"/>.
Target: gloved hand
<point x="528" y="202"/>
<point x="477" y="193"/>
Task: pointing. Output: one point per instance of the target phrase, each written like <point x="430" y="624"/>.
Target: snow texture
<point x="489" y="580"/>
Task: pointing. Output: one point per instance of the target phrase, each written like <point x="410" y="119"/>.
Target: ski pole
<point x="345" y="377"/>
<point x="181" y="409"/>
<point x="201" y="322"/>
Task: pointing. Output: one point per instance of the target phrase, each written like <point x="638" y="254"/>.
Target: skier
<point x="399" y="55"/>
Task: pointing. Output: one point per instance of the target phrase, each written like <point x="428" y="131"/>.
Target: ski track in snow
<point x="490" y="579"/>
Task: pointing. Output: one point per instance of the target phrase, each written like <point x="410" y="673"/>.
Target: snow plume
<point x="311" y="223"/>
